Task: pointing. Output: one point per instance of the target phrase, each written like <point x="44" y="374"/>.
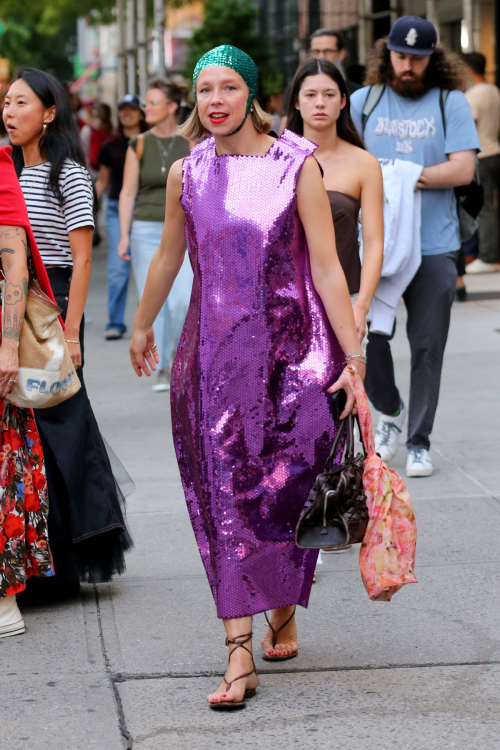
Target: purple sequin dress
<point x="249" y="412"/>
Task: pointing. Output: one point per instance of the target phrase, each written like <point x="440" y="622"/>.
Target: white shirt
<point x="402" y="251"/>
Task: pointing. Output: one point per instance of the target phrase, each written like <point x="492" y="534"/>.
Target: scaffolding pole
<point x="121" y="66"/>
<point x="468" y="26"/>
<point x="142" y="47"/>
<point x="364" y="31"/>
<point x="160" y="34"/>
<point x="131" y="48"/>
<point x="432" y="14"/>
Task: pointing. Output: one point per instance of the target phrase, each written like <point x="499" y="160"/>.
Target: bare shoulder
<point x="310" y="181"/>
<point x="175" y="174"/>
<point x="310" y="171"/>
<point x="369" y="162"/>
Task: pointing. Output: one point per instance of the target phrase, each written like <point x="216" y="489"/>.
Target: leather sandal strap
<point x="239" y="644"/>
<point x="235" y="640"/>
<point x="275" y="632"/>
<point x="241" y="677"/>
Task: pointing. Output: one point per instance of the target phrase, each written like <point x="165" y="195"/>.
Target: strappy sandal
<point x="265" y="656"/>
<point x="250" y="692"/>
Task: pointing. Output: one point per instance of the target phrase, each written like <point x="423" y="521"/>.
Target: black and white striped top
<point x="50" y="221"/>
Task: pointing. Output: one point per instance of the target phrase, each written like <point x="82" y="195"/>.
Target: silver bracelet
<point x="358" y="357"/>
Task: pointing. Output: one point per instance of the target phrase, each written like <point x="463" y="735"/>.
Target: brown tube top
<point x="345" y="210"/>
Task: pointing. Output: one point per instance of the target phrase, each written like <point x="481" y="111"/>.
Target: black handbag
<point x="335" y="514"/>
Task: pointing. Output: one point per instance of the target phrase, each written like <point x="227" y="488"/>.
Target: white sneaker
<point x="162" y="381"/>
<point x="387" y="435"/>
<point x="418" y="463"/>
<point x="479" y="266"/>
<point x="11" y="621"/>
<point x="113" y="334"/>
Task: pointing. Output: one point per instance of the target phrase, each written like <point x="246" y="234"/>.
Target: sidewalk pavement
<point x="129" y="664"/>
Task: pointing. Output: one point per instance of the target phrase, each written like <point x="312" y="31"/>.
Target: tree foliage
<point x="230" y="22"/>
<point x="42" y="33"/>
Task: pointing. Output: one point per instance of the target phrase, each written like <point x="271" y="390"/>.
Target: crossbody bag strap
<point x="443" y="96"/>
<point x="139" y="149"/>
<point x="374" y="96"/>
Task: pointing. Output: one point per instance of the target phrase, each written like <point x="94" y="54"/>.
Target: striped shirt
<point x="51" y="222"/>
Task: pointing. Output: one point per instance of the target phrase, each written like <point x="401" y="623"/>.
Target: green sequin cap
<point x="236" y="59"/>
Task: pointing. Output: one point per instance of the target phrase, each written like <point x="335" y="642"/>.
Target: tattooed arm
<point x="13" y="257"/>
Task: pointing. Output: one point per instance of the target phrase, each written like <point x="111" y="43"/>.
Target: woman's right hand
<point x="123" y="247"/>
<point x="143" y="352"/>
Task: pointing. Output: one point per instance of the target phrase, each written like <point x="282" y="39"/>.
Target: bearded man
<point x="412" y="120"/>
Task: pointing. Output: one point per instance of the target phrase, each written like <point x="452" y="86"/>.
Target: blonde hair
<point x="193" y="129"/>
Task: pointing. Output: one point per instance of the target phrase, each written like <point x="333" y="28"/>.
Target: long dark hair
<point x="61" y="140"/>
<point x="345" y="126"/>
<point x="118" y="141"/>
<point x="105" y="117"/>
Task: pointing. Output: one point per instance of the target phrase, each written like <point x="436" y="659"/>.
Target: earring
<point x="44" y="126"/>
<point x="251" y="108"/>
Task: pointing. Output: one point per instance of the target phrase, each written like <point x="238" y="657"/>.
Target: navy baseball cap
<point x="412" y="35"/>
<point x="130" y="100"/>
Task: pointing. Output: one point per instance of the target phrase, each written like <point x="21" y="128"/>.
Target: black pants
<point x="489" y="224"/>
<point x="428" y="301"/>
<point x="87" y="532"/>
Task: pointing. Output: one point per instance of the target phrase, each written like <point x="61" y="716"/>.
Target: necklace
<point x="164" y="152"/>
<point x="34" y="178"/>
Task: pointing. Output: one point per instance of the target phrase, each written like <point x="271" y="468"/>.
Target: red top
<point x="97" y="138"/>
<point x="13" y="213"/>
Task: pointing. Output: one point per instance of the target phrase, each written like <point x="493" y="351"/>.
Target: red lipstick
<point x="216" y="118"/>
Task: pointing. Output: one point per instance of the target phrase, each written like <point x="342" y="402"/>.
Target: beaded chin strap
<point x="237" y="60"/>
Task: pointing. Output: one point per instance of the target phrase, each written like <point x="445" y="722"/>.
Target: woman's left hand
<point x="360" y="320"/>
<point x="343" y="383"/>
<point x="75" y="353"/>
<point x="9" y="367"/>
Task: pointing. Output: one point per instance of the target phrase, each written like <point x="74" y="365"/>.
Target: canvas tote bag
<point x="47" y="375"/>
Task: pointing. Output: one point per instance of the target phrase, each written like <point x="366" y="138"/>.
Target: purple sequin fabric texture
<point x="249" y="411"/>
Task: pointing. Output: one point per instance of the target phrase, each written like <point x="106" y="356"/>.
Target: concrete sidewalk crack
<point x="122" y="722"/>
<point x="465" y="473"/>
<point x="120" y="677"/>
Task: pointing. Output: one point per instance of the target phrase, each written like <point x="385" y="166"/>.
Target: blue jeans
<point x="144" y="240"/>
<point x="118" y="271"/>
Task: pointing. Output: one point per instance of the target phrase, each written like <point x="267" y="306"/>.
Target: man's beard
<point x="410" y="88"/>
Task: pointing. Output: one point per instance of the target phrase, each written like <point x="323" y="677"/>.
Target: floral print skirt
<point x="24" y="547"/>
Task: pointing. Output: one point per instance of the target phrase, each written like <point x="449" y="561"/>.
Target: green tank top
<point x="158" y="155"/>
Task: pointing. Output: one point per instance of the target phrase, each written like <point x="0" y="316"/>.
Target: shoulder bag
<point x="47" y="374"/>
